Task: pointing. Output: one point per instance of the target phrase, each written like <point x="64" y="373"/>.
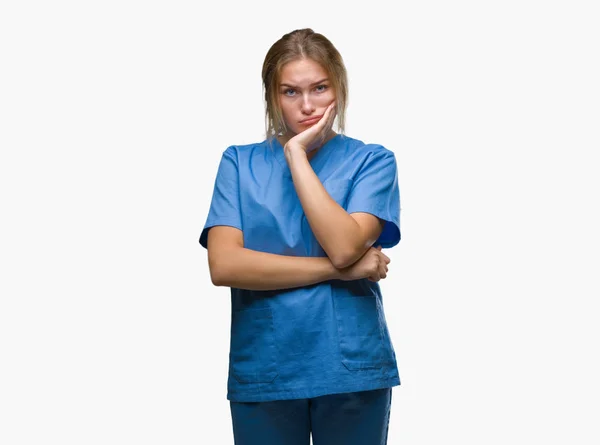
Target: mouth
<point x="311" y="120"/>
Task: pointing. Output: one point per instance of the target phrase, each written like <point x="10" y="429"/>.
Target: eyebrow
<point x="296" y="86"/>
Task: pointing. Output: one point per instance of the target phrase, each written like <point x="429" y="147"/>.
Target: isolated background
<point x="113" y="117"/>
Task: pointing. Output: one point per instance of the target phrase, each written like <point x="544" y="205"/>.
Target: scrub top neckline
<point x="316" y="161"/>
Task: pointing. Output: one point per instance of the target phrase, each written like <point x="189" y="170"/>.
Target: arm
<point x="344" y="237"/>
<point x="233" y="265"/>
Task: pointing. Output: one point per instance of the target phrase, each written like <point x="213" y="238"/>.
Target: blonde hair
<point x="302" y="44"/>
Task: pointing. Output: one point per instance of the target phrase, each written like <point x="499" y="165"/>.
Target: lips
<point x="311" y="120"/>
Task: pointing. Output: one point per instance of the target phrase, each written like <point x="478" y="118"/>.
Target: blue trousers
<point x="356" y="418"/>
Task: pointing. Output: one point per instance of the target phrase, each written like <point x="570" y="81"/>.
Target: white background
<point x="113" y="118"/>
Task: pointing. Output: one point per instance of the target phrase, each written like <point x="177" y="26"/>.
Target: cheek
<point x="289" y="113"/>
<point x="327" y="98"/>
<point x="285" y="110"/>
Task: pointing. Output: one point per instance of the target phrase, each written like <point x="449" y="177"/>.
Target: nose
<point x="307" y="106"/>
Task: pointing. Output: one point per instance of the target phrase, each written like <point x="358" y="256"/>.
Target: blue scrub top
<point x="326" y="338"/>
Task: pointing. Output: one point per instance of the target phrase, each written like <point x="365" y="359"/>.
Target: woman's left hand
<point x="314" y="136"/>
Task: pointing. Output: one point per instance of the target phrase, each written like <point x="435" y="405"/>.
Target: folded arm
<point x="232" y="265"/>
<point x="344" y="237"/>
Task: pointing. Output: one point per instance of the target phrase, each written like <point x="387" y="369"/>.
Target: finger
<point x="329" y="110"/>
<point x="382" y="271"/>
<point x="384" y="256"/>
<point x="324" y="121"/>
<point x="378" y="247"/>
<point x="331" y="114"/>
<point x="327" y="121"/>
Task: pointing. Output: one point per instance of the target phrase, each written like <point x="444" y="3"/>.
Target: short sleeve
<point x="375" y="190"/>
<point x="225" y="205"/>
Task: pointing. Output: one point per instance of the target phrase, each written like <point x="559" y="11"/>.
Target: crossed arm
<point x="344" y="237"/>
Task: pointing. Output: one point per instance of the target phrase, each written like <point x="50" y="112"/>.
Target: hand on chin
<point x="314" y="136"/>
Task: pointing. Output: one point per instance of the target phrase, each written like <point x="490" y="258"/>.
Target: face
<point x="305" y="92"/>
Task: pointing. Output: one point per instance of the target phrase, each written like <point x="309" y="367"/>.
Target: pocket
<point x="252" y="357"/>
<point x="360" y="329"/>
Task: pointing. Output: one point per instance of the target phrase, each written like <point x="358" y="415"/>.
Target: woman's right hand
<point x="372" y="265"/>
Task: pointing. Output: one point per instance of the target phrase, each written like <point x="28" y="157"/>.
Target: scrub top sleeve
<point x="225" y="207"/>
<point x="375" y="190"/>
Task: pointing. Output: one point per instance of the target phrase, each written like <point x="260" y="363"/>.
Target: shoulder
<point x="239" y="152"/>
<point x="363" y="150"/>
<point x="247" y="148"/>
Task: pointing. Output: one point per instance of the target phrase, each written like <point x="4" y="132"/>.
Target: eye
<point x="289" y="92"/>
<point x="321" y="88"/>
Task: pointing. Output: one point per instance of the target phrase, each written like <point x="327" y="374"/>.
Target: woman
<point x="295" y="229"/>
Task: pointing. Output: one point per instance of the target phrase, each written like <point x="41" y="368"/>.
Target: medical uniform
<point x="323" y="339"/>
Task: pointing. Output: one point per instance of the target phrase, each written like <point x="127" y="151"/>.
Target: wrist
<point x="294" y="149"/>
<point x="294" y="153"/>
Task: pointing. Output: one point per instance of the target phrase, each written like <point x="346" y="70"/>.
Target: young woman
<point x="295" y="228"/>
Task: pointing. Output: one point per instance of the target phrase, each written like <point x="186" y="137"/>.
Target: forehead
<point x="302" y="72"/>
